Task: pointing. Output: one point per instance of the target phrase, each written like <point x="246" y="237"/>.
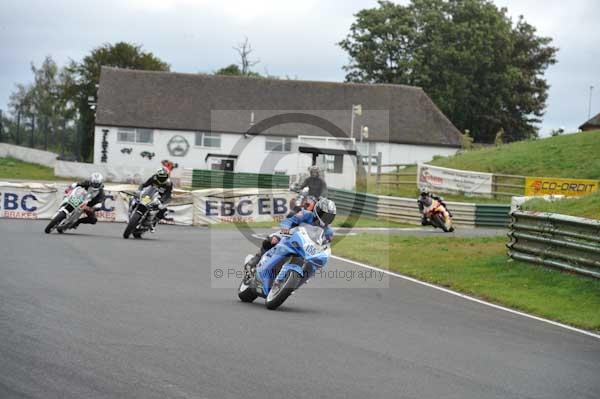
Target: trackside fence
<point x="201" y="178"/>
<point x="566" y="242"/>
<point x="406" y="210"/>
<point x="353" y="203"/>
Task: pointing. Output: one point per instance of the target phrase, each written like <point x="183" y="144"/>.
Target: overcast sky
<point x="291" y="38"/>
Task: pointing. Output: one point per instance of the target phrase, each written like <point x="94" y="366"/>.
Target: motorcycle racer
<point x="161" y="181"/>
<point x="322" y="216"/>
<point x="425" y="201"/>
<point x="95" y="187"/>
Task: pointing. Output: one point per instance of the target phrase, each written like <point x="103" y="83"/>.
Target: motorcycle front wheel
<point x="133" y="223"/>
<point x="282" y="290"/>
<point x="59" y="217"/>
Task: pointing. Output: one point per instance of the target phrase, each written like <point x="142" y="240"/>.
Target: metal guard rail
<point x="406" y="210"/>
<point x="566" y="242"/>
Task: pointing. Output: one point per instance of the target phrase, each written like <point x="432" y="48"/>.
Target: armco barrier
<point x="561" y="241"/>
<point x="488" y="215"/>
<point x="353" y="203"/>
<point x="406" y="210"/>
<point x="201" y="178"/>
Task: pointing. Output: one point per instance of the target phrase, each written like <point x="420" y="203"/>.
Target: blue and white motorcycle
<point x="301" y="254"/>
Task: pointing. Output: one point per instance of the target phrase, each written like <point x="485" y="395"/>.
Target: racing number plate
<point x="76" y="200"/>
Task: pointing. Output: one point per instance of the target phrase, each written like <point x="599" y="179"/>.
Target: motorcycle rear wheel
<point x="439" y="221"/>
<point x="245" y="292"/>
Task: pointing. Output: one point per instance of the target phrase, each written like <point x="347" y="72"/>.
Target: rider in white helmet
<point x="95" y="186"/>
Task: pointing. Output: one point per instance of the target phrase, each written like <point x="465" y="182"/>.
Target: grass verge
<point x="11" y="168"/>
<point x="552" y="157"/>
<point x="585" y="207"/>
<point x="480" y="267"/>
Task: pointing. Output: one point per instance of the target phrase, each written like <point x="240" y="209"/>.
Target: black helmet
<point x="324" y="211"/>
<point x="161" y="176"/>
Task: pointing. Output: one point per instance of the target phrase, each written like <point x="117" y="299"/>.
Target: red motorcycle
<point x="435" y="211"/>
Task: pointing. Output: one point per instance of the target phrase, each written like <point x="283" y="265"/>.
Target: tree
<point x="484" y="72"/>
<point x="244" y="50"/>
<point x="40" y="102"/>
<point x="21" y="107"/>
<point x="44" y="101"/>
<point x="466" y="141"/>
<point x="86" y="75"/>
<point x="230" y="70"/>
<point x="499" y="140"/>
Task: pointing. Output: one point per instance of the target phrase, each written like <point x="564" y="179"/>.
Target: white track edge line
<point x="464" y="296"/>
<point x="470" y="298"/>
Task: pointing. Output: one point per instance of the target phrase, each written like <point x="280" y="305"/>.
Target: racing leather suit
<point x="90" y="212"/>
<point x="278" y="253"/>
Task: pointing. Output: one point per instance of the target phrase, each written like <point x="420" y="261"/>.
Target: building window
<point x="281" y="144"/>
<point x="204" y="139"/>
<point x="334" y="163"/>
<point x="145" y="136"/>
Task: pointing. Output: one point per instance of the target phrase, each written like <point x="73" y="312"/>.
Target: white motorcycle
<point x="70" y="210"/>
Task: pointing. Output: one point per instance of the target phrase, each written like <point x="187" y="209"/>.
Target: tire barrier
<point x="565" y="242"/>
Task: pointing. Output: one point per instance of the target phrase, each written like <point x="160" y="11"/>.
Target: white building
<point x="263" y="125"/>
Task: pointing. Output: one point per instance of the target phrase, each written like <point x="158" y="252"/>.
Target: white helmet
<point x="96" y="180"/>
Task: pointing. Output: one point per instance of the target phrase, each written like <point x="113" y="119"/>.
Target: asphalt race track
<point x="90" y="315"/>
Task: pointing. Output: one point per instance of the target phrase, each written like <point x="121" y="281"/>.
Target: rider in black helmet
<point x="161" y="181"/>
<point x="316" y="185"/>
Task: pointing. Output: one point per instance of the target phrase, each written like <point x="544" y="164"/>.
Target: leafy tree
<point x="39" y="101"/>
<point x="499" y="140"/>
<point x="85" y="76"/>
<point x="483" y="71"/>
<point x="230" y="70"/>
<point x="466" y="141"/>
<point x="21" y="108"/>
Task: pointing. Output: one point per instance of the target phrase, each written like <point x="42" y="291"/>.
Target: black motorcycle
<point x="143" y="208"/>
